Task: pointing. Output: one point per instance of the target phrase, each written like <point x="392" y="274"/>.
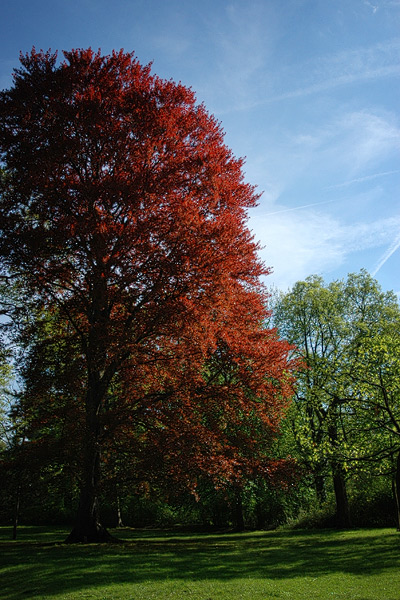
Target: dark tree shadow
<point x="59" y="569"/>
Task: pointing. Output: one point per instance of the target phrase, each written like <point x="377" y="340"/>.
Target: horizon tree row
<point x="339" y="436"/>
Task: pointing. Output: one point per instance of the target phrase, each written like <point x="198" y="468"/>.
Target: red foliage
<point x="124" y="208"/>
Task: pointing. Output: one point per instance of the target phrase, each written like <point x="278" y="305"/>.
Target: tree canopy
<point x="346" y="409"/>
<point x="123" y="218"/>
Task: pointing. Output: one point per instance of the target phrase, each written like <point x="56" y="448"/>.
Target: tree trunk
<point x="260" y="515"/>
<point x="16" y="511"/>
<point x="396" y="491"/>
<point x="342" y="504"/>
<point x="87" y="528"/>
<point x="319" y="483"/>
<point x="339" y="484"/>
<point x="238" y="512"/>
<point x="119" y="513"/>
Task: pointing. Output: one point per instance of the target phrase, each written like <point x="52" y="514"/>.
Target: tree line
<point x="156" y="375"/>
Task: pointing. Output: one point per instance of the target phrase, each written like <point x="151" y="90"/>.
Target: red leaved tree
<point x="123" y="212"/>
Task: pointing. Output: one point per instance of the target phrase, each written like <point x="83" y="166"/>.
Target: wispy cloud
<point x="349" y="66"/>
<point x="372" y="136"/>
<point x="303" y="243"/>
<point x="243" y="37"/>
<point x="347" y="148"/>
<point x="324" y="73"/>
<point x="374" y="7"/>
<point x="323" y="157"/>
<point x="334" y="82"/>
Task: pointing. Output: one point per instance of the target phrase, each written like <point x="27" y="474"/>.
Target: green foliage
<point x="345" y="417"/>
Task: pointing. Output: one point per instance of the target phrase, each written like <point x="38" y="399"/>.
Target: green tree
<point x="332" y="327"/>
<point x="375" y="405"/>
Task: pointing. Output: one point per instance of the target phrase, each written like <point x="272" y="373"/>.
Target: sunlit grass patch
<point x="299" y="565"/>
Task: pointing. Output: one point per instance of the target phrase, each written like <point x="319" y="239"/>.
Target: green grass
<point x="298" y="565"/>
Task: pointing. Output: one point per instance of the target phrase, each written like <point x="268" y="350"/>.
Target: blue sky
<point x="307" y="90"/>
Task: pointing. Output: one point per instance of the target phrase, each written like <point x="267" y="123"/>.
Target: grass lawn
<point x="306" y="565"/>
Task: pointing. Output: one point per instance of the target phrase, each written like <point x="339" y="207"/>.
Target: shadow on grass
<point x="59" y="569"/>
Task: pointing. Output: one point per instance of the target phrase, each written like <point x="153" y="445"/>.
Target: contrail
<point x="386" y="255"/>
<point x="284" y="210"/>
<point x="362" y="179"/>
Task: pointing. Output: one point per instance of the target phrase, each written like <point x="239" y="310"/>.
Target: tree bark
<point x="119" y="512"/>
<point x="88" y="528"/>
<point x="16" y="511"/>
<point x="260" y="516"/>
<point x="238" y="512"/>
<point x="343" y="520"/>
<point x="339" y="484"/>
<point x="319" y="483"/>
<point x="396" y="490"/>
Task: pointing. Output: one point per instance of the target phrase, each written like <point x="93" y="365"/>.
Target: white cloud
<point x="370" y="137"/>
<point x="374" y="7"/>
<point x="345" y="151"/>
<point x="366" y="135"/>
<point x="304" y="167"/>
<point x="298" y="244"/>
<point x="305" y="239"/>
